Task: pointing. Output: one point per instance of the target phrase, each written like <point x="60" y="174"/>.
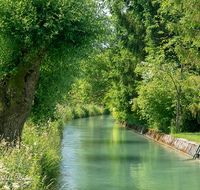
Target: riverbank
<point x="183" y="145"/>
<point x="35" y="163"/>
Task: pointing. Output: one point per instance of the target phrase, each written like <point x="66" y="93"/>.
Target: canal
<point x="101" y="155"/>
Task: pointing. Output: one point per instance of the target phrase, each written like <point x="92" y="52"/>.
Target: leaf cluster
<point x="32" y="26"/>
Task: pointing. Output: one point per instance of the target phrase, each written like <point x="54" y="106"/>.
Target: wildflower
<point x="6" y="187"/>
<point x="15" y="186"/>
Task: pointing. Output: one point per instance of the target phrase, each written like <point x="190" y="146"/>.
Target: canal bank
<point x="183" y="145"/>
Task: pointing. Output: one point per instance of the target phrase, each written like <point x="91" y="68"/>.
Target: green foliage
<point x="7" y="49"/>
<point x="121" y="79"/>
<point x="55" y="82"/>
<point x="157" y="100"/>
<point x="91" y="86"/>
<point x="49" y="24"/>
<point x="132" y="20"/>
<point x="35" y="164"/>
<point x="164" y="41"/>
<point x="156" y="103"/>
<point x="79" y="111"/>
<point x="57" y="32"/>
<point x="109" y="76"/>
<point x="190" y="117"/>
<point x="173" y="129"/>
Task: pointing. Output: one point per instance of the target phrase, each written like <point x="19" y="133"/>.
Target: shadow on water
<point x="103" y="141"/>
<point x="104" y="158"/>
<point x="98" y="154"/>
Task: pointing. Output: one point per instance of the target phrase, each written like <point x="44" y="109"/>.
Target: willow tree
<point x="31" y="30"/>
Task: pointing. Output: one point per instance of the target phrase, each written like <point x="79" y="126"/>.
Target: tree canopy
<point x="41" y="36"/>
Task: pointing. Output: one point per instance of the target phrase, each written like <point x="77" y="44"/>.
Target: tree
<point x="172" y="53"/>
<point x="132" y="21"/>
<point x="31" y="30"/>
<point x="156" y="102"/>
<point x="91" y="85"/>
<point x="54" y="84"/>
<point x="186" y="27"/>
<point x="176" y="53"/>
<point x="164" y="37"/>
<point x="121" y="79"/>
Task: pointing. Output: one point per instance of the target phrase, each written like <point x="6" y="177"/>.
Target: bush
<point x="69" y="114"/>
<point x="80" y="111"/>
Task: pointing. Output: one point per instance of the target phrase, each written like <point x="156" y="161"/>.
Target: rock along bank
<point x="183" y="145"/>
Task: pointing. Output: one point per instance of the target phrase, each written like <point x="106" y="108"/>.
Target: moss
<point x="1" y="106"/>
<point x="17" y="80"/>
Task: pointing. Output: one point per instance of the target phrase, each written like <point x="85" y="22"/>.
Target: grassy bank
<point x="189" y="136"/>
<point x="35" y="164"/>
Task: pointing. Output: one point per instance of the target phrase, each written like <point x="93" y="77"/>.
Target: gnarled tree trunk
<point x="16" y="97"/>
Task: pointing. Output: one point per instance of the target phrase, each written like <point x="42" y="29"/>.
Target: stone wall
<point x="183" y="145"/>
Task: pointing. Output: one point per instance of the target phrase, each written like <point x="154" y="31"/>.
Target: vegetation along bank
<point x="35" y="164"/>
<point x="139" y="59"/>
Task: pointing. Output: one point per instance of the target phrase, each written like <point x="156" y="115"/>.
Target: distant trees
<point x="172" y="60"/>
<point x="90" y="85"/>
<point x="154" y="63"/>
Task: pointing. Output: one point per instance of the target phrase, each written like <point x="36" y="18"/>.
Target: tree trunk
<point x="178" y="102"/>
<point x="16" y="97"/>
<point x="178" y="109"/>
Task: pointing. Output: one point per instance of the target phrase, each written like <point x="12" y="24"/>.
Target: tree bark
<point x="178" y="102"/>
<point x="178" y="109"/>
<point x="16" y="97"/>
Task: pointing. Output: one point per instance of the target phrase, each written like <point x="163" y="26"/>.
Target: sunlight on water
<point x="101" y="155"/>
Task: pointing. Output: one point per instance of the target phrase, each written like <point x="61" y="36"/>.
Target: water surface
<point x="101" y="155"/>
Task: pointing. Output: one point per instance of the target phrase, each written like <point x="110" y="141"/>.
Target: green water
<point x="101" y="155"/>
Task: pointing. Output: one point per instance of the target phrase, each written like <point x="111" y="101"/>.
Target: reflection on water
<point x="101" y="155"/>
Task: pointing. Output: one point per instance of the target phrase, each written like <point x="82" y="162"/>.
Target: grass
<point x="35" y="163"/>
<point x="189" y="136"/>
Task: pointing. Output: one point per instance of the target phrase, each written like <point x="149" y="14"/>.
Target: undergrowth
<point x="35" y="163"/>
